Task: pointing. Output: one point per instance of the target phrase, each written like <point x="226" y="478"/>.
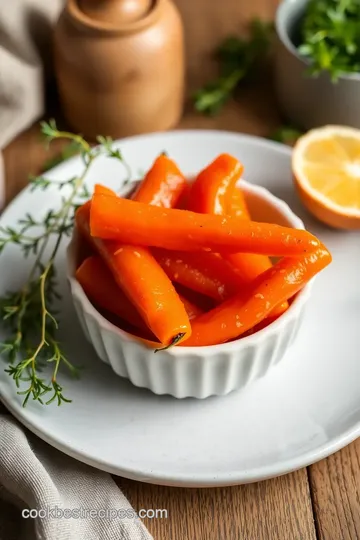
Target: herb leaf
<point x="29" y="314"/>
<point x="286" y="135"/>
<point x="237" y="58"/>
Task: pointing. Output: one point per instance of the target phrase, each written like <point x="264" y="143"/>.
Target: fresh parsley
<point x="330" y="36"/>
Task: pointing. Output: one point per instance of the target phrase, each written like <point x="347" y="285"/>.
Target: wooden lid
<point x="115" y="12"/>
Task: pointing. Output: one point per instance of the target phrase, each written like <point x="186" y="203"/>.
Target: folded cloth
<point x="25" y="60"/>
<point x="73" y="501"/>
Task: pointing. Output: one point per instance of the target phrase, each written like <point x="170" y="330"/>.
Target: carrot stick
<point x="183" y="201"/>
<point x="214" y="185"/>
<point x="206" y="273"/>
<point x="240" y="313"/>
<point x="163" y="185"/>
<point x="202" y="302"/>
<point x="193" y="310"/>
<point x="235" y="205"/>
<point x="135" y="269"/>
<point x="249" y="265"/>
<point x="136" y="223"/>
<point x="99" y="188"/>
<point x="102" y="289"/>
<point x="144" y="282"/>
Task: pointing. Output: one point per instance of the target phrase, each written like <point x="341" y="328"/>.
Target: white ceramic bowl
<point x="196" y="372"/>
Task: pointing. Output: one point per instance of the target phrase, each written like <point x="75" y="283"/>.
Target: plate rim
<point x="200" y="480"/>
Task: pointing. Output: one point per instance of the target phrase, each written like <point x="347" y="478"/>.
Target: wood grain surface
<point x="322" y="501"/>
<point x="335" y="488"/>
<point x="275" y="509"/>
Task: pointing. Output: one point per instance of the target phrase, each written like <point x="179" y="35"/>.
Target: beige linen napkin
<point x="32" y="474"/>
<point x="73" y="501"/>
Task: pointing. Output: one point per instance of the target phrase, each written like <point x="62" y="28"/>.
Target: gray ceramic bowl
<point x="307" y="101"/>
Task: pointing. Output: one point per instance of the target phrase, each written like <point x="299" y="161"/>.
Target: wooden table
<point x="322" y="501"/>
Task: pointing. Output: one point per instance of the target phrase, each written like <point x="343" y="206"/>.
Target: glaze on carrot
<point x="214" y="192"/>
<point x="249" y="265"/>
<point x="193" y="310"/>
<point x="242" y="312"/>
<point x="99" y="188"/>
<point x="102" y="289"/>
<point x="206" y="273"/>
<point x="163" y="184"/>
<point x="132" y="222"/>
<point x="135" y="269"/>
<point x="214" y="185"/>
<point x="144" y="282"/>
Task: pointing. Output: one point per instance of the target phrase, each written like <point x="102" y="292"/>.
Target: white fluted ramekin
<point x="197" y="372"/>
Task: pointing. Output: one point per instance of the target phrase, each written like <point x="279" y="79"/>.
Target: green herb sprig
<point x="286" y="134"/>
<point x="330" y="36"/>
<point x="237" y="59"/>
<point x="29" y="314"/>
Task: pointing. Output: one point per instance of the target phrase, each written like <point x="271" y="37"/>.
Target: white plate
<point x="305" y="409"/>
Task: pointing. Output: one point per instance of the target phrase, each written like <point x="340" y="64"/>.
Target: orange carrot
<point x="204" y="303"/>
<point x="235" y="204"/>
<point x="183" y="201"/>
<point x="248" y="264"/>
<point x="99" y="188"/>
<point x="144" y="282"/>
<point x="193" y="310"/>
<point x="242" y="312"/>
<point x="102" y="289"/>
<point x="163" y="185"/>
<point x="136" y="223"/>
<point x="135" y="269"/>
<point x="206" y="273"/>
<point x="214" y="185"/>
<point x="214" y="192"/>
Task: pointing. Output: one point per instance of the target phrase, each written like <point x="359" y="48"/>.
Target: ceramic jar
<point x="120" y="66"/>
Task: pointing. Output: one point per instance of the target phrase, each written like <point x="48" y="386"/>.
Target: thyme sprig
<point x="29" y="314"/>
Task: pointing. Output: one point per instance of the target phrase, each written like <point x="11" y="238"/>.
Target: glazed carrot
<point x="240" y="313"/>
<point x="236" y="205"/>
<point x="136" y="223"/>
<point x="99" y="188"/>
<point x="249" y="265"/>
<point x="206" y="273"/>
<point x="136" y="270"/>
<point x="202" y="302"/>
<point x="214" y="192"/>
<point x="144" y="282"/>
<point x="163" y="185"/>
<point x="193" y="310"/>
<point x="183" y="201"/>
<point x="214" y="185"/>
<point x="102" y="289"/>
